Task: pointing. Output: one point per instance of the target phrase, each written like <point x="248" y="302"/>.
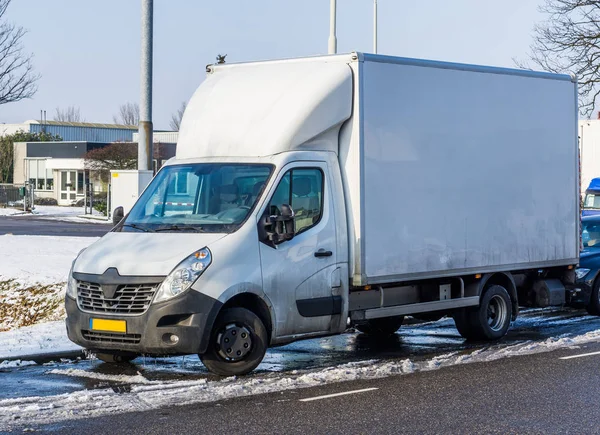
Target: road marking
<point x="327" y="396"/>
<point x="580" y="356"/>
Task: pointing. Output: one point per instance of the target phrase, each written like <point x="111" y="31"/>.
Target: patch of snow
<point x="9" y="211"/>
<point x="38" y="339"/>
<point x="31" y="260"/>
<point x="147" y="395"/>
<point x="16" y="363"/>
<point x="68" y="214"/>
<point x="137" y="379"/>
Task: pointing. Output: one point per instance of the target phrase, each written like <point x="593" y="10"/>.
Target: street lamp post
<point x="145" y="156"/>
<point x="375" y="26"/>
<point x="332" y="38"/>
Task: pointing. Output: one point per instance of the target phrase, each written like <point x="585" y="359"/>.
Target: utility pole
<point x="375" y="26"/>
<point x="145" y="155"/>
<point x="332" y="37"/>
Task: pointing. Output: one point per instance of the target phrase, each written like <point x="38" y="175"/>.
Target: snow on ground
<point x="55" y="212"/>
<point x="9" y="211"/>
<point x="49" y="337"/>
<point x="33" y="273"/>
<point x="152" y="394"/>
<point x="16" y="363"/>
<point x="31" y="260"/>
<point x="69" y="214"/>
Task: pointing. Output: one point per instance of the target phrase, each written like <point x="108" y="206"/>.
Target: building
<point x="75" y="131"/>
<point x="589" y="150"/>
<point x="57" y="169"/>
<point x="54" y="169"/>
<point x="161" y="136"/>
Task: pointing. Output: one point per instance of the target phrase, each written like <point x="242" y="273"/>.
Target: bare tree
<point x="17" y="79"/>
<point x="569" y="42"/>
<point x="129" y="114"/>
<point x="177" y="116"/>
<point x="70" y="114"/>
<point x="118" y="155"/>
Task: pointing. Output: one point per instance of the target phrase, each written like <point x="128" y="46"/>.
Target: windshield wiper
<point x="138" y="227"/>
<point x="178" y="228"/>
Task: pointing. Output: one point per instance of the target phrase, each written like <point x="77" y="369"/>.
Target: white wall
<point x="6" y="129"/>
<point x="589" y="134"/>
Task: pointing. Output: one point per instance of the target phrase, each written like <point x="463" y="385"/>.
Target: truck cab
<point x="591" y="202"/>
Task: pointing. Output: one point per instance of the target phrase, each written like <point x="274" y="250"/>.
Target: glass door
<point x="68" y="187"/>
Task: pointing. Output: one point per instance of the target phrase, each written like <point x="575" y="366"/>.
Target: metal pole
<point x="145" y="126"/>
<point x="332" y="38"/>
<point x="375" y="26"/>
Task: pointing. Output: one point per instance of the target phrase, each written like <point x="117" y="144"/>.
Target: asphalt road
<point x="538" y="393"/>
<point x="46" y="227"/>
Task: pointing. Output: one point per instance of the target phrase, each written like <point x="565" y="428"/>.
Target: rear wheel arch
<point x="504" y="279"/>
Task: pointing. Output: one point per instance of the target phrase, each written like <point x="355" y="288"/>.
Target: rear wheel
<point x="490" y="320"/>
<point x="381" y="327"/>
<point x="593" y="307"/>
<point x="116" y="357"/>
<point x="238" y="343"/>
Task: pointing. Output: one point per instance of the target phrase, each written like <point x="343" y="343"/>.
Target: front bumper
<point x="190" y="317"/>
<point x="581" y="293"/>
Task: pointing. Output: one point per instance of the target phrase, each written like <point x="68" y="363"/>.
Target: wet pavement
<point x="420" y="341"/>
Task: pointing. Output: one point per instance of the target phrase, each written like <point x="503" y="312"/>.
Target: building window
<point x="38" y="175"/>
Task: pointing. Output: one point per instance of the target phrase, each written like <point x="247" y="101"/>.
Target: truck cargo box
<point x="452" y="168"/>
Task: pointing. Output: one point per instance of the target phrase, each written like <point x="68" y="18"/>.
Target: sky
<point x="88" y="52"/>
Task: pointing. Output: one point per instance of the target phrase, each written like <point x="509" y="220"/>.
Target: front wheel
<point x="490" y="320"/>
<point x="238" y="343"/>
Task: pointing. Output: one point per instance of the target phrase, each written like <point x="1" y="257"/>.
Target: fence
<point x="9" y="194"/>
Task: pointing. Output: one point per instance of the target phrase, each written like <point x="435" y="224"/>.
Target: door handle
<point x="323" y="253"/>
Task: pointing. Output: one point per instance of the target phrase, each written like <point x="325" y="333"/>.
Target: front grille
<point x="128" y="299"/>
<point x="109" y="337"/>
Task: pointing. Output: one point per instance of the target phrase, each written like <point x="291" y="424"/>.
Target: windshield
<point x="590" y="233"/>
<point x="202" y="197"/>
<point x="592" y="201"/>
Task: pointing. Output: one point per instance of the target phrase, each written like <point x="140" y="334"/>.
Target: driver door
<point x="298" y="274"/>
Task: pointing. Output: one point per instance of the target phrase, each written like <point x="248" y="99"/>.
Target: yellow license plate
<point x="108" y="325"/>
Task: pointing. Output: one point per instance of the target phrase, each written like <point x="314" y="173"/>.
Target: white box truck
<point x="307" y="194"/>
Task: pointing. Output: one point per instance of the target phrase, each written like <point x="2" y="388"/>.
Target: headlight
<point x="72" y="282"/>
<point x="184" y="275"/>
<point x="581" y="273"/>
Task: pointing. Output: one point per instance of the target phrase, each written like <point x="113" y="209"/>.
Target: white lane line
<point x="327" y="396"/>
<point x="580" y="355"/>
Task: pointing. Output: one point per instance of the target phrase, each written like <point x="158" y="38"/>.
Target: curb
<point x="41" y="358"/>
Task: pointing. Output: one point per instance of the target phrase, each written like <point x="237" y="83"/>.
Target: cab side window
<point x="302" y="189"/>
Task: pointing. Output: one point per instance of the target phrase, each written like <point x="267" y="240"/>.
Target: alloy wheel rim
<point x="497" y="311"/>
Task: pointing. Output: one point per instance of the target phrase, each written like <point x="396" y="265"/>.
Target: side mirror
<point x="117" y="215"/>
<point x="277" y="226"/>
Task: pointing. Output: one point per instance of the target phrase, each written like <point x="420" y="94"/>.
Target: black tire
<point x="381" y="327"/>
<point x="241" y="321"/>
<point x="593" y="307"/>
<point x="116" y="357"/>
<point x="490" y="320"/>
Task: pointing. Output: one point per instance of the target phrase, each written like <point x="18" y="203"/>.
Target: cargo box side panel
<point x="350" y="158"/>
<point x="466" y="170"/>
